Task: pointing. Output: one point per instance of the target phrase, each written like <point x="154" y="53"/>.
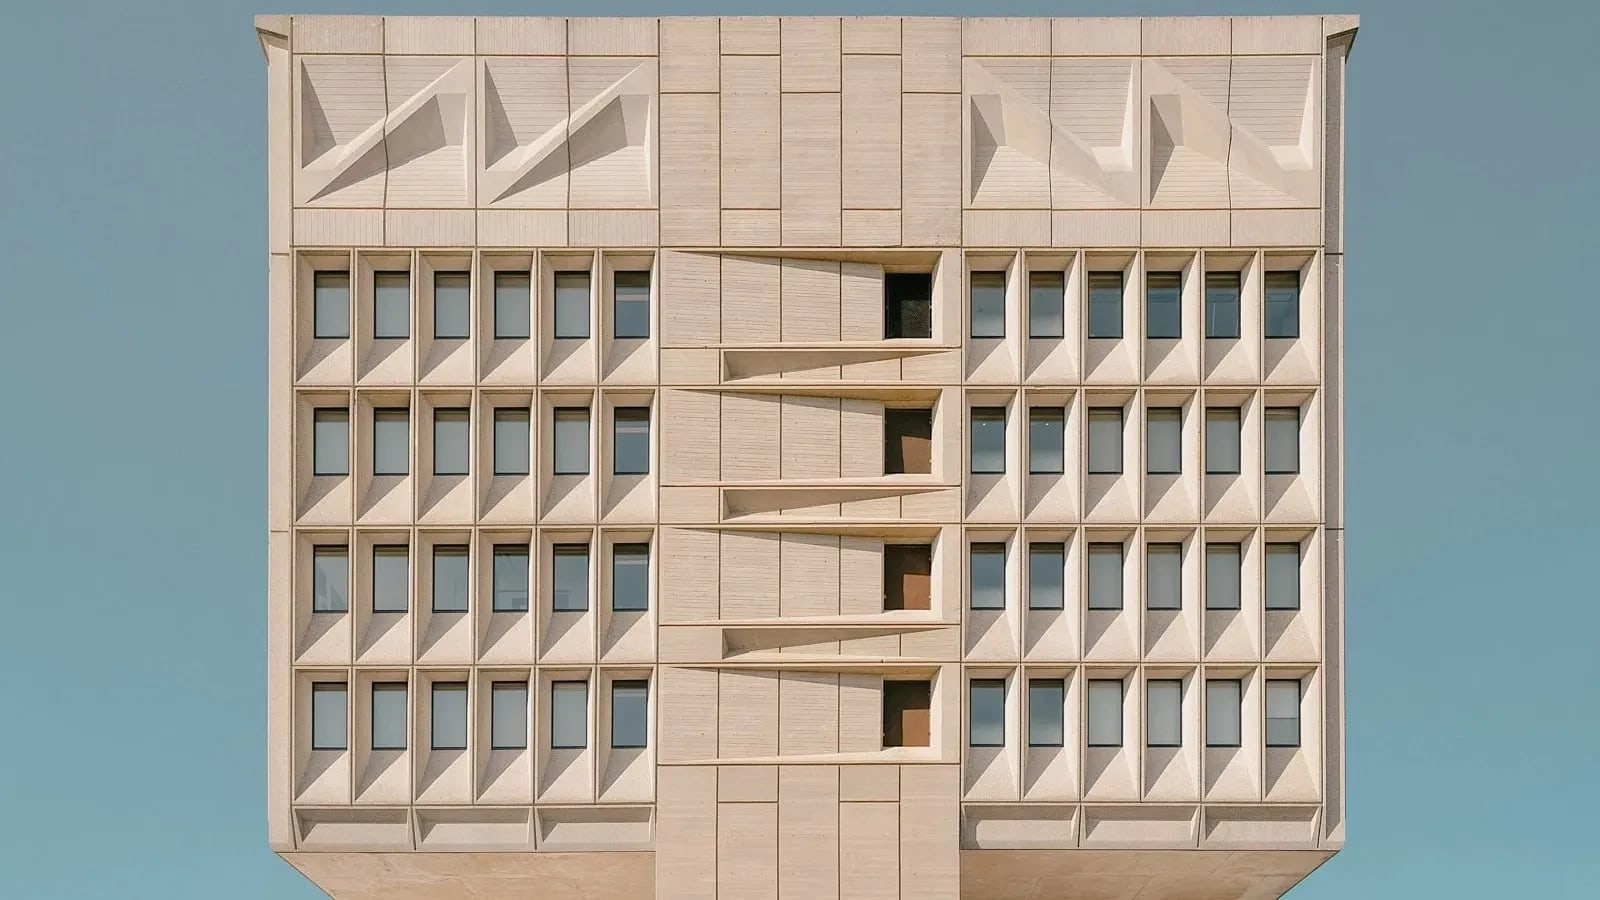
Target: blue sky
<point x="132" y="341"/>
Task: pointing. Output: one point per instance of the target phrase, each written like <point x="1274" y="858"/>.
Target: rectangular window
<point x="1047" y="565"/>
<point x="986" y="574"/>
<point x="1283" y="440"/>
<point x="986" y="712"/>
<point x="452" y="305"/>
<point x="391" y="305"/>
<point x="329" y="724"/>
<point x="391" y="441"/>
<point x="1105" y="713"/>
<point x="511" y="441"/>
<point x="988" y="436"/>
<point x="572" y="305"/>
<point x="330" y="300"/>
<point x="1283" y="575"/>
<point x="1163" y="305"/>
<point x="908" y="305"/>
<point x="330" y="578"/>
<point x="1223" y="697"/>
<point x="630" y="440"/>
<point x="1105" y="305"/>
<point x="330" y="441"/>
<point x="571" y="448"/>
<point x="508" y="715"/>
<point x="630" y="577"/>
<point x="513" y="309"/>
<point x="1105" y="441"/>
<point x="1283" y="305"/>
<point x="510" y="578"/>
<point x="1222" y="440"/>
<point x="905" y="713"/>
<point x="389" y="715"/>
<point x="391" y="578"/>
<point x="449" y="725"/>
<point x="1163" y="576"/>
<point x="988" y="304"/>
<point x="907" y="576"/>
<point x="630" y="714"/>
<point x="1163" y="427"/>
<point x="570" y="577"/>
<point x="1046" y="440"/>
<point x="1046" y="304"/>
<point x="1283" y="713"/>
<point x="1047" y="702"/>
<point x="1222" y="576"/>
<point x="452" y="441"/>
<point x="1222" y="304"/>
<point x="630" y="305"/>
<point x="450" y="578"/>
<point x="907" y="441"/>
<point x="1105" y="576"/>
<point x="569" y="715"/>
<point x="1163" y="722"/>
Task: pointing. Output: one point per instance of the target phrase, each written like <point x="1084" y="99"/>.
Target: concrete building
<point x="764" y="458"/>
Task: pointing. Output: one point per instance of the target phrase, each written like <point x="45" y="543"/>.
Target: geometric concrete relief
<point x="375" y="132"/>
<point x="587" y="146"/>
<point x="1239" y="132"/>
<point x="1052" y="133"/>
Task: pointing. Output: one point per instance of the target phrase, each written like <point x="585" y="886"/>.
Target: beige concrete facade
<point x="782" y="193"/>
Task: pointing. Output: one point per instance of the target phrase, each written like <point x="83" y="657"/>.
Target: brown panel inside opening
<point x="907" y="576"/>
<point x="905" y="713"/>
<point x="907" y="441"/>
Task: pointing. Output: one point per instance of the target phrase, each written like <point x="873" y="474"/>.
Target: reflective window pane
<point x="1283" y="575"/>
<point x="630" y="305"/>
<point x="630" y="714"/>
<point x="1105" y="305"/>
<point x="572" y="305"/>
<point x="1282" y="312"/>
<point x="986" y="711"/>
<point x="571" y="445"/>
<point x="1282" y="449"/>
<point x="1163" y="305"/>
<point x="570" y="577"/>
<point x="988" y="304"/>
<point x="1164" y="440"/>
<point x="630" y="577"/>
<point x="330" y="578"/>
<point x="450" y="578"/>
<point x="330" y="300"/>
<point x="391" y="578"/>
<point x="1105" y="441"/>
<point x="508" y="715"/>
<point x="1222" y="576"/>
<point x="630" y="440"/>
<point x="391" y="305"/>
<point x="986" y="575"/>
<point x="449" y="723"/>
<point x="329" y="722"/>
<point x="1222" y="441"/>
<point x="1047" y="699"/>
<point x="1046" y="575"/>
<point x="569" y="715"/>
<point x="389" y="715"/>
<point x="452" y="305"/>
<point x="391" y="441"/>
<point x="511" y="442"/>
<point x="988" y="438"/>
<point x="1164" y="713"/>
<point x="1222" y="304"/>
<point x="1223" y="698"/>
<point x="330" y="442"/>
<point x="1046" y="303"/>
<point x="1105" y="576"/>
<point x="513" y="309"/>
<point x="510" y="578"/>
<point x="1283" y="713"/>
<point x="452" y="442"/>
<point x="1105" y="713"/>
<point x="1163" y="576"/>
<point x="908" y="305"/>
<point x="1046" y="440"/>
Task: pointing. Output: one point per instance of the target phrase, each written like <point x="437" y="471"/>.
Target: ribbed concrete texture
<point x="758" y="458"/>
